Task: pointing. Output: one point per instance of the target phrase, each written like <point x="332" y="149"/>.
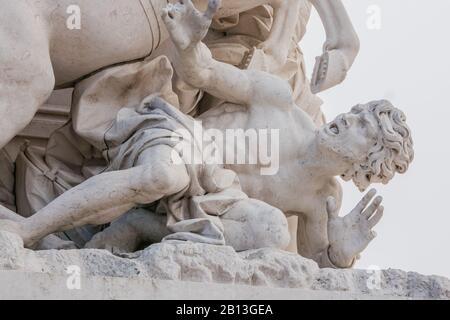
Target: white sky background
<point x="407" y="62"/>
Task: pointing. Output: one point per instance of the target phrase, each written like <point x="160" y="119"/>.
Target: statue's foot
<point x="114" y="243"/>
<point x="19" y="229"/>
<point x="52" y="242"/>
<point x="186" y="25"/>
<point x="11" y="227"/>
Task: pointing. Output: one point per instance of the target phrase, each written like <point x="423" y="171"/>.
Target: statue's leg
<point x="253" y="224"/>
<point x="249" y="224"/>
<point x="105" y="197"/>
<point x="47" y="243"/>
<point x="26" y="74"/>
<point x="135" y="228"/>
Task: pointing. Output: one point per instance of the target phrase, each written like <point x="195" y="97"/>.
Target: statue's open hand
<point x="350" y="235"/>
<point x="186" y="25"/>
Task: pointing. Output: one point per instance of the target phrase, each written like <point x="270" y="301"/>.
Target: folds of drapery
<point x="113" y="121"/>
<point x="236" y="37"/>
<point x="106" y="103"/>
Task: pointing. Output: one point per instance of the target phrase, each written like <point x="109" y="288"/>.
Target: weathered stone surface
<point x="193" y="262"/>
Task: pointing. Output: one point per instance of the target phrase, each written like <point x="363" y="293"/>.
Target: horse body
<point x="111" y="32"/>
<point x="41" y="50"/>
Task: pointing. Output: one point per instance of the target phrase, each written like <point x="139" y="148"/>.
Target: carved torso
<point x="301" y="188"/>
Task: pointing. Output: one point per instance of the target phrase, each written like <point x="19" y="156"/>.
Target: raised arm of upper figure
<point x="193" y="61"/>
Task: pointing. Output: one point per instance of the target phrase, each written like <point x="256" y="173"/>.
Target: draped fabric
<point x="115" y="117"/>
<point x="233" y="39"/>
<point x="111" y="125"/>
<point x="7" y="198"/>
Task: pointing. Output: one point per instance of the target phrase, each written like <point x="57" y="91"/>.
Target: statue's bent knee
<point x="260" y="225"/>
<point x="164" y="178"/>
<point x="274" y="229"/>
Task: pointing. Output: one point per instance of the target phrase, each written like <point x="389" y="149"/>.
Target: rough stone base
<point x="19" y="285"/>
<point x="178" y="270"/>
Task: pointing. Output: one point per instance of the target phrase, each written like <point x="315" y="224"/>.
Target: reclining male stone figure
<point x="367" y="145"/>
<point x="43" y="51"/>
<point x="200" y="202"/>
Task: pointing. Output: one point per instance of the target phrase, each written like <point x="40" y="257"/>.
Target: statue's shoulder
<point x="317" y="199"/>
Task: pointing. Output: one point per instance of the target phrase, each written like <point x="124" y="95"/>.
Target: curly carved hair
<point x="393" y="151"/>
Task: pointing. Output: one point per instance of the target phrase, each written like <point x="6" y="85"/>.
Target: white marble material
<point x="172" y="270"/>
<point x="369" y="144"/>
<point x="32" y="68"/>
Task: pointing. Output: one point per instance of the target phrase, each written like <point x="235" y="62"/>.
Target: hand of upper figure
<point x="188" y="26"/>
<point x="330" y="70"/>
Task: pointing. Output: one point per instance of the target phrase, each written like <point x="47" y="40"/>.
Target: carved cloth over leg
<point x="192" y="214"/>
<point x="117" y="113"/>
<point x="7" y="197"/>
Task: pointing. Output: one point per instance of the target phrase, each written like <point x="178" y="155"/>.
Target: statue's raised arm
<point x="340" y="49"/>
<point x="193" y="61"/>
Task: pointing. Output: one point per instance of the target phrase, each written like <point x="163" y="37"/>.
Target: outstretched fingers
<point x="188" y="3"/>
<point x="168" y="18"/>
<point x="213" y="6"/>
<point x="376" y="217"/>
<point x="365" y="200"/>
<point x="175" y="11"/>
<point x="372" y="235"/>
<point x="372" y="208"/>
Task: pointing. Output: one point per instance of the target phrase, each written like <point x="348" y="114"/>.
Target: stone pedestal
<point x="196" y="271"/>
